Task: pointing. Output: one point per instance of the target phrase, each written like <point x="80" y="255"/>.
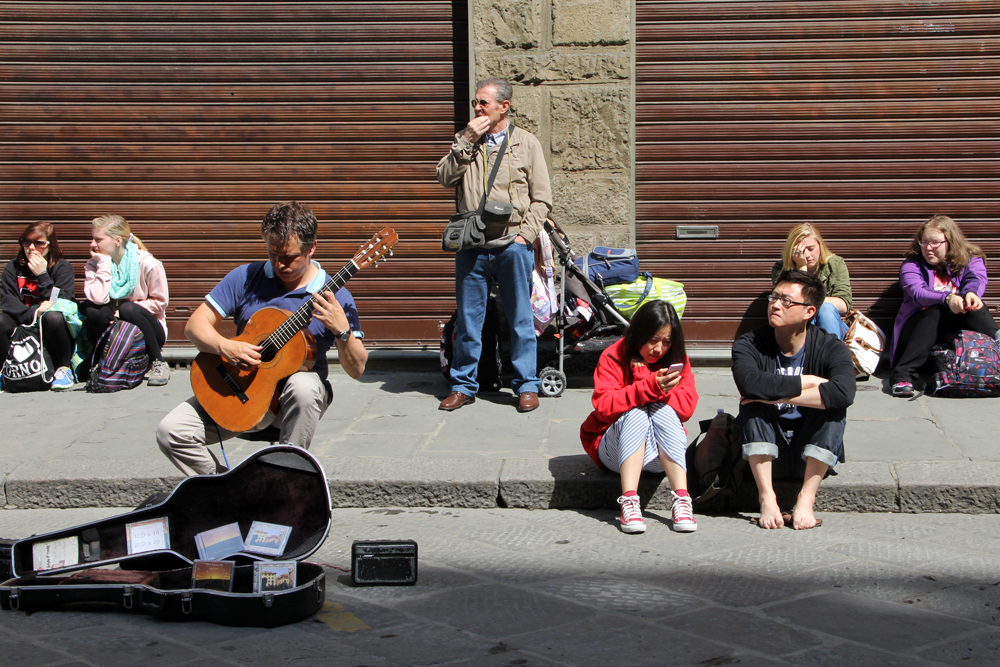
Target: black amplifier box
<point x="384" y="563"/>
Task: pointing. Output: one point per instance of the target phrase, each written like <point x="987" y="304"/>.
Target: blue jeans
<point x="828" y="319"/>
<point x="512" y="267"/>
<point x="820" y="436"/>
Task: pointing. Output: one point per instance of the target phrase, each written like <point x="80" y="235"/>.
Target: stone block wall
<point x="571" y="65"/>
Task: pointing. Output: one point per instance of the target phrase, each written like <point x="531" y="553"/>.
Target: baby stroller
<point x="586" y="321"/>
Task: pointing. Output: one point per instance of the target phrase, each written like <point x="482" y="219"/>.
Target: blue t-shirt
<point x="250" y="287"/>
<point x="789" y="416"/>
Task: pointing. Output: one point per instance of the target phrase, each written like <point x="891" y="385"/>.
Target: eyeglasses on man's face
<point x="480" y="103"/>
<point x="784" y="300"/>
<point x="27" y="243"/>
<point x="931" y="245"/>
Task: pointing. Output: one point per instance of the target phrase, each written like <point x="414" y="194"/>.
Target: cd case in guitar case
<point x="279" y="494"/>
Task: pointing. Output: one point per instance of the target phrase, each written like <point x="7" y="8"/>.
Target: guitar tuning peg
<point x="390" y="252"/>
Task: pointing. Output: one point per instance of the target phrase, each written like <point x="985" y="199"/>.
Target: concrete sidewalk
<point x="384" y="443"/>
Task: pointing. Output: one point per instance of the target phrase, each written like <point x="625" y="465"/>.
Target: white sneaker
<point x="159" y="374"/>
<point x="682" y="514"/>
<point x="631" y="516"/>
<point x="63" y="379"/>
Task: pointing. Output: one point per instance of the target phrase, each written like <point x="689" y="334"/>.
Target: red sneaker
<point x="631" y="516"/>
<point x="682" y="514"/>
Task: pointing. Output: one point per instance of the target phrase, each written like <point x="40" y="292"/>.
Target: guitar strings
<point x="294" y="324"/>
<point x="301" y="317"/>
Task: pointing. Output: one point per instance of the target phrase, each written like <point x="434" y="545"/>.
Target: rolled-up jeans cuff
<point x="760" y="449"/>
<point x="820" y="454"/>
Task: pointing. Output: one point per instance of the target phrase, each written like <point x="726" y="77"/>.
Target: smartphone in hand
<point x="675" y="368"/>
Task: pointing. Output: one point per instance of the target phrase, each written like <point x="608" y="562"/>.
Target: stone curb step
<point x="569" y="482"/>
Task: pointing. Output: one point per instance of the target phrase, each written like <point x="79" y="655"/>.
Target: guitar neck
<point x="301" y="317"/>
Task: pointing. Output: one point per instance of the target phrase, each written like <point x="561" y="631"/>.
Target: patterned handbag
<point x="969" y="366"/>
<point x="865" y="341"/>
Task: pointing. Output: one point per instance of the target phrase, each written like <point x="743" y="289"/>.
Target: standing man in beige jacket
<point x="523" y="181"/>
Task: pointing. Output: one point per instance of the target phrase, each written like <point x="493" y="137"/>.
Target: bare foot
<point x="770" y="515"/>
<point x="803" y="517"/>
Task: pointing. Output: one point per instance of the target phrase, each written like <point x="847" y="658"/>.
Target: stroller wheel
<point x="553" y="382"/>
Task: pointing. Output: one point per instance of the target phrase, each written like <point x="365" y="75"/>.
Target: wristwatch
<point x="345" y="335"/>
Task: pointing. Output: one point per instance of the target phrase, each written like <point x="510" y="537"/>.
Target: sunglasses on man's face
<point x="480" y="103"/>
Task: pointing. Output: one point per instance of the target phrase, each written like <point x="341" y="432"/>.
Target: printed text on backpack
<point x="28" y="366"/>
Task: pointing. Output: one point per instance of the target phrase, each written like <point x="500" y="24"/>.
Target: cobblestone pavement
<point x="506" y="588"/>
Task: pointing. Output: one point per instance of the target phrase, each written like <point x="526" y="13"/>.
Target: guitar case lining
<point x="281" y="484"/>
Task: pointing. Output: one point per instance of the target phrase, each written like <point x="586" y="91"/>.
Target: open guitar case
<point x="280" y="484"/>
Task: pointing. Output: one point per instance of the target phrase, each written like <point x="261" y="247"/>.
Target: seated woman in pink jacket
<point x="643" y="392"/>
<point x="123" y="280"/>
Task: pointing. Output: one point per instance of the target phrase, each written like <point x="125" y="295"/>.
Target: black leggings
<point x="928" y="327"/>
<point x="55" y="335"/>
<point x="98" y="317"/>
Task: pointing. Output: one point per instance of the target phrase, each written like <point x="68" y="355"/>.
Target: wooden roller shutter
<point x="193" y="119"/>
<point x="863" y="116"/>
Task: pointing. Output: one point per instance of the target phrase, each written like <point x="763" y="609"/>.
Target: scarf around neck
<point x="125" y="274"/>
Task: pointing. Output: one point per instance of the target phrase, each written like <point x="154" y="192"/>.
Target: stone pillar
<point x="571" y="64"/>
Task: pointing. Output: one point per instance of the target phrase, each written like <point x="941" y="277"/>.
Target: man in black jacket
<point x="796" y="382"/>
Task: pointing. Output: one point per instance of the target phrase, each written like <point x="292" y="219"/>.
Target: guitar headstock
<point x="375" y="249"/>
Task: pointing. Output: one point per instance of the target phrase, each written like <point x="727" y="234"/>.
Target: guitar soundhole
<point x="267" y="354"/>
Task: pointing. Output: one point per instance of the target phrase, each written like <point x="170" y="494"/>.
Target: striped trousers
<point x="655" y="427"/>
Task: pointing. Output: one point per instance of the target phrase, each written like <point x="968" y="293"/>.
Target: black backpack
<point x="490" y="361"/>
<point x="28" y="362"/>
<point x="715" y="459"/>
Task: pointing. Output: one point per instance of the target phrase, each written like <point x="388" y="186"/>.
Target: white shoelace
<point x="682" y="509"/>
<point x="630" y="509"/>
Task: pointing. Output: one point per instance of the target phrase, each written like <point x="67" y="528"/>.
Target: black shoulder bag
<point x="467" y="230"/>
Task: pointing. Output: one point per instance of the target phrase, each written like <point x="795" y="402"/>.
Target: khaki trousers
<point x="183" y="434"/>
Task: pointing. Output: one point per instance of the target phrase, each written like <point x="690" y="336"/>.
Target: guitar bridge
<point x="233" y="384"/>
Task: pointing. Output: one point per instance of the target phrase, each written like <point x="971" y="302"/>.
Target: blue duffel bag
<point x="610" y="266"/>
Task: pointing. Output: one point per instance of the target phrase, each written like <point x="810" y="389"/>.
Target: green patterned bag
<point x="628" y="297"/>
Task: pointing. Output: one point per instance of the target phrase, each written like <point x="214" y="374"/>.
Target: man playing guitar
<point x="285" y="281"/>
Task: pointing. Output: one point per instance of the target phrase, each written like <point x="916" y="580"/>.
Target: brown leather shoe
<point x="455" y="400"/>
<point x="527" y="401"/>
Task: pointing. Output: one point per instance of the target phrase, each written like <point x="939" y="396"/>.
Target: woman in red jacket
<point x="643" y="392"/>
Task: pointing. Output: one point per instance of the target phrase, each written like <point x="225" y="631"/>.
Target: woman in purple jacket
<point x="943" y="279"/>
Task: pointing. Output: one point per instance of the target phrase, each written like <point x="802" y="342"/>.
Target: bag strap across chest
<point x="502" y="150"/>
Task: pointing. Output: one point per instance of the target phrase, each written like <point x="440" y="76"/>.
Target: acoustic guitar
<point x="237" y="399"/>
